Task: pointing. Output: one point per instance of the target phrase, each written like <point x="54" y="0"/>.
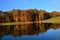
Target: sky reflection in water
<point x="50" y="34"/>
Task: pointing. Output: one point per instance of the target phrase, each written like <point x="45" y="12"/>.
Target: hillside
<point x="53" y="20"/>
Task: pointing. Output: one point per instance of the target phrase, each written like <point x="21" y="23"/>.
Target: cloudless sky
<point x="48" y="5"/>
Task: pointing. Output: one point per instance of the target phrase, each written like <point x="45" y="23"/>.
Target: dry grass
<point x="15" y="23"/>
<point x="53" y="20"/>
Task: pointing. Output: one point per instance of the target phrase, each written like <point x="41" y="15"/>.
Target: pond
<point x="36" y="31"/>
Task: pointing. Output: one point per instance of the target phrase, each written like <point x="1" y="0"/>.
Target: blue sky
<point x="48" y="5"/>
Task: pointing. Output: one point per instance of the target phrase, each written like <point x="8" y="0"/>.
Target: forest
<point x="29" y="15"/>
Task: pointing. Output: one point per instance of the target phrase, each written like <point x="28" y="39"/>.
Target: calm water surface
<point x="30" y="32"/>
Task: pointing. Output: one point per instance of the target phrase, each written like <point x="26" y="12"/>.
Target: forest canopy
<point x="26" y="15"/>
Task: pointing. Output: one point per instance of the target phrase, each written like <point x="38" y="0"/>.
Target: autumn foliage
<point x="26" y="15"/>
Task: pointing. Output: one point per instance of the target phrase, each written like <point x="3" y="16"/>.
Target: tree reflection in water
<point x="26" y="29"/>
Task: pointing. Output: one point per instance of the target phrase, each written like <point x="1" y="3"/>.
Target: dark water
<point x="30" y="32"/>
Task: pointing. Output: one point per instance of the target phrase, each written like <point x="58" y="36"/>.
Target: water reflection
<point x="27" y="29"/>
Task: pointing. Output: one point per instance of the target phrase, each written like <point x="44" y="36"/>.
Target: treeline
<point x="26" y="15"/>
<point x="19" y="15"/>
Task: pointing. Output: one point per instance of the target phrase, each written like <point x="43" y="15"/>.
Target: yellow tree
<point x="15" y="14"/>
<point x="41" y="14"/>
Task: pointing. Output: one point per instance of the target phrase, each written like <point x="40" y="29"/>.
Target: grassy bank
<point x="53" y="20"/>
<point x="19" y="23"/>
<point x="15" y="23"/>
